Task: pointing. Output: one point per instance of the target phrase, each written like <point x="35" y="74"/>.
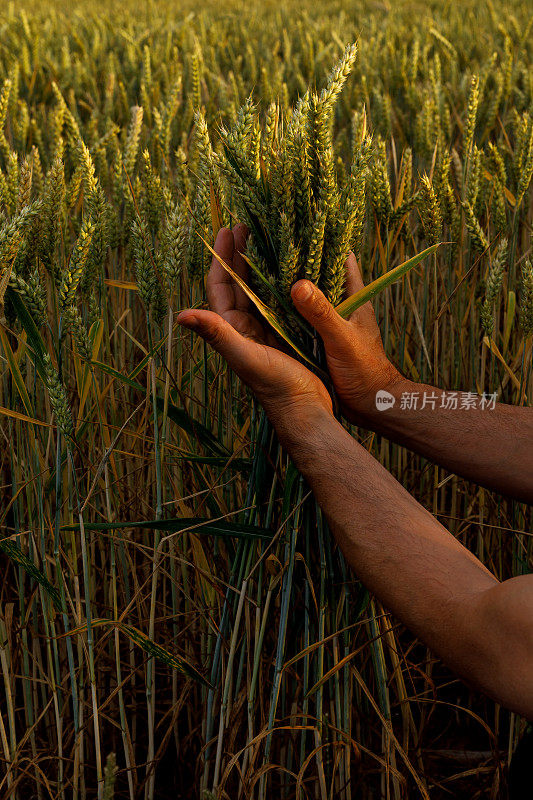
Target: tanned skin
<point x="482" y="628"/>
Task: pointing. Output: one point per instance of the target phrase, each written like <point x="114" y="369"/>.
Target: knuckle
<point x="322" y="310"/>
<point x="216" y="336"/>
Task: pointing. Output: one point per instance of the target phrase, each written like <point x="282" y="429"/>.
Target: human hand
<point x="354" y="350"/>
<point x="289" y="393"/>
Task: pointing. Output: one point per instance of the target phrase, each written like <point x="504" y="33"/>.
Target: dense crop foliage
<point x="175" y="620"/>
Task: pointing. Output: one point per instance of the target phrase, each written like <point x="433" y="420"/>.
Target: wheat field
<point x="175" y="618"/>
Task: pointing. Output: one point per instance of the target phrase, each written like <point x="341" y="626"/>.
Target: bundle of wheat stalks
<point x="304" y="209"/>
<point x="284" y="176"/>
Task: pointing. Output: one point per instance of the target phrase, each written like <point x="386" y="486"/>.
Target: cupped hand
<point x="287" y="390"/>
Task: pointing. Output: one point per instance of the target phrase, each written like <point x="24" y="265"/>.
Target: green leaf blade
<point x="351" y="304"/>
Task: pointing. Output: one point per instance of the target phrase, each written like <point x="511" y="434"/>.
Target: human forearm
<point x="484" y="443"/>
<point x="414" y="566"/>
<point x="381" y="529"/>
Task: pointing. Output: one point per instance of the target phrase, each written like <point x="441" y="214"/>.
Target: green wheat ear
<point x="77" y="264"/>
<point x="472" y="109"/>
<point x="526" y="298"/>
<point x="32" y="293"/>
<point x="430" y="212"/>
<point x="24" y="187"/>
<point x="131" y="147"/>
<point x="73" y="321"/>
<point x="477" y="234"/>
<point x="174" y="242"/>
<point x="58" y="398"/>
<point x="493" y="287"/>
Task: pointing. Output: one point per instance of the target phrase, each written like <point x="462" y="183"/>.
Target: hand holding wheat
<point x="354" y="351"/>
<point x="356" y="359"/>
<point x="225" y="297"/>
<point x="287" y="390"/>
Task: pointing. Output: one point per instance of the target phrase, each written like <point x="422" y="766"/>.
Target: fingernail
<point x="187" y="319"/>
<point x="302" y="291"/>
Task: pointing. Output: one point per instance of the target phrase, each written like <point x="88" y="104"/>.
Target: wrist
<point x="382" y="395"/>
<point x="301" y="425"/>
<point x="382" y="410"/>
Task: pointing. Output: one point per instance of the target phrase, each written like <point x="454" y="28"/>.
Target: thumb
<point x="242" y="354"/>
<point x="314" y="306"/>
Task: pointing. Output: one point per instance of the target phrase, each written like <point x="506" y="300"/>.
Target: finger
<point x="240" y="235"/>
<point x="354" y="283"/>
<point x="354" y="280"/>
<point x="317" y="310"/>
<point x="220" y="284"/>
<point x="246" y="324"/>
<point x="243" y="355"/>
